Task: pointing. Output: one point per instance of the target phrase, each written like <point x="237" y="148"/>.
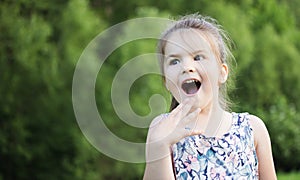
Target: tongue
<point x="190" y="88"/>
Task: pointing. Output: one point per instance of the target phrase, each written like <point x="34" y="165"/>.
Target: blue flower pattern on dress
<point x="232" y="156"/>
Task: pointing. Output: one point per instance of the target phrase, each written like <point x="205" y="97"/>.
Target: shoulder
<point x="256" y="122"/>
<point x="259" y="129"/>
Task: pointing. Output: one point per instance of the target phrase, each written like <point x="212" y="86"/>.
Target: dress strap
<point x="240" y="119"/>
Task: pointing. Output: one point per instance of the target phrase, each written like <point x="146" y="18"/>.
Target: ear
<point x="223" y="73"/>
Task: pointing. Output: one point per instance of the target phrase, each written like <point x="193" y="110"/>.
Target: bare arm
<point x="158" y="157"/>
<point x="263" y="149"/>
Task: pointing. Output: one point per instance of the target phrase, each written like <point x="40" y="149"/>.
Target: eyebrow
<point x="177" y="55"/>
<point x="198" y="51"/>
<point x="172" y="55"/>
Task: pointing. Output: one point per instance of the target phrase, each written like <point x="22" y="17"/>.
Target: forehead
<point x="187" y="41"/>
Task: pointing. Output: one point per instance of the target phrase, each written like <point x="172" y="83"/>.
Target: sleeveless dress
<point x="232" y="156"/>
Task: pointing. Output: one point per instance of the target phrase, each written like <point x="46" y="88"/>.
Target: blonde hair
<point x="217" y="38"/>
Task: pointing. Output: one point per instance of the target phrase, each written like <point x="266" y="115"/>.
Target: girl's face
<point x="192" y="69"/>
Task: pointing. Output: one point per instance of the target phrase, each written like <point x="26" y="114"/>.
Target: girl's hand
<point x="180" y="123"/>
<point x="165" y="131"/>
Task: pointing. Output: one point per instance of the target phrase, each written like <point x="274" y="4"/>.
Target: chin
<point x="195" y="97"/>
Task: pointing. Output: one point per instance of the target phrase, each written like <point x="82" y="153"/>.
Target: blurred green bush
<point x="40" y="43"/>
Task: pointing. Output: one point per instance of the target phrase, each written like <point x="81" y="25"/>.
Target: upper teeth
<point x="190" y="81"/>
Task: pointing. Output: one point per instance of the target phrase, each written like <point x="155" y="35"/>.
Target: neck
<point x="211" y="118"/>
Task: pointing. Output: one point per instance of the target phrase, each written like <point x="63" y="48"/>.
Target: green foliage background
<point x="41" y="42"/>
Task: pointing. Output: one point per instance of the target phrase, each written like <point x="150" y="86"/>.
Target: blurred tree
<point x="40" y="43"/>
<point x="284" y="126"/>
<point x="294" y="7"/>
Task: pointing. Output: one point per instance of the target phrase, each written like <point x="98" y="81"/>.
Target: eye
<point x="174" y="61"/>
<point x="198" y="57"/>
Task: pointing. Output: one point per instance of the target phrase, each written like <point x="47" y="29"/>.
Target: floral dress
<point x="232" y="156"/>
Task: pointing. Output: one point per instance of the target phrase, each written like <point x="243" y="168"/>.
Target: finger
<point x="181" y="105"/>
<point x="186" y="107"/>
<point x="185" y="128"/>
<point x="181" y="109"/>
<point x="177" y="109"/>
<point x="192" y="116"/>
<point x="190" y="121"/>
<point x="188" y="103"/>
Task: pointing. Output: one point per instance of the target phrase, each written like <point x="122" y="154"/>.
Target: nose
<point x="188" y="68"/>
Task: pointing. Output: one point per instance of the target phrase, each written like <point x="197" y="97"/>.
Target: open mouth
<point x="191" y="86"/>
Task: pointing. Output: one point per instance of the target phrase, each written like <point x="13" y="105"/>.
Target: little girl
<point x="199" y="138"/>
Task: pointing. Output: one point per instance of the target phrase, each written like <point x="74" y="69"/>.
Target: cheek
<point x="170" y="75"/>
<point x="210" y="79"/>
<point x="170" y="84"/>
<point x="211" y="72"/>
